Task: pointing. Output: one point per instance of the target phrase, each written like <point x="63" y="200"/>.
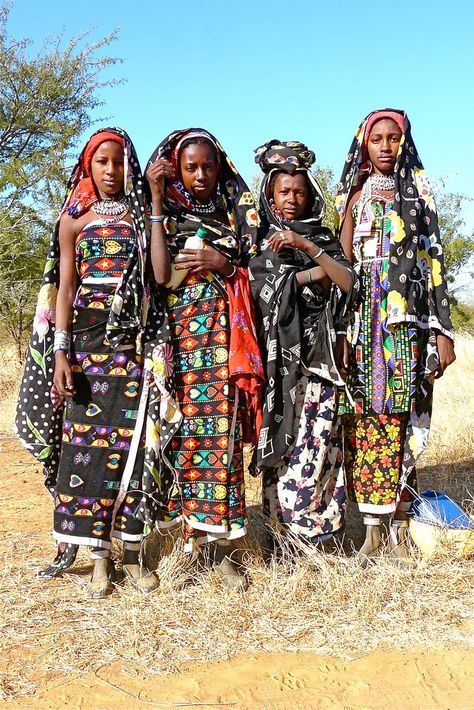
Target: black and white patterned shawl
<point x="295" y="324"/>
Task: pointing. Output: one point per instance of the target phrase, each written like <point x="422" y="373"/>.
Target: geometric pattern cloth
<point x="98" y="433"/>
<point x="206" y="492"/>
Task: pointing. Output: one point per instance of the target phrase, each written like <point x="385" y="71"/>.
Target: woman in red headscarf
<point x="79" y="410"/>
<point x="402" y="335"/>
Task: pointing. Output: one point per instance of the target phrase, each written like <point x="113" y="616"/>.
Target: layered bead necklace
<point x="382" y="183"/>
<point x="110" y="210"/>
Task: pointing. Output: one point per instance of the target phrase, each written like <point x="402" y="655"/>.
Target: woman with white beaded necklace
<point x="86" y="336"/>
<point x="402" y="335"/>
<point x="205" y="383"/>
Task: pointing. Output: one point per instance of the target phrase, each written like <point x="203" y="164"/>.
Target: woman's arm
<point x="347" y="231"/>
<point x="335" y="271"/>
<point x="159" y="252"/>
<point x="62" y="378"/>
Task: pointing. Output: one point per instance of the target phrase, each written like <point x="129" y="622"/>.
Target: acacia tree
<point x="47" y="99"/>
<point x="458" y="250"/>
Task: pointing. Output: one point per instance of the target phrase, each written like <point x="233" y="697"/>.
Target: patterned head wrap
<point x="236" y="240"/>
<point x="286" y="156"/>
<point x="38" y="420"/>
<point x="84" y="193"/>
<point x="418" y="291"/>
<point x="289" y="157"/>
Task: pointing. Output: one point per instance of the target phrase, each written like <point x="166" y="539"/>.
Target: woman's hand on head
<point x="446" y="353"/>
<point x="199" y="260"/>
<point x="287" y="238"/>
<point x="63" y="379"/>
<point x="156" y="174"/>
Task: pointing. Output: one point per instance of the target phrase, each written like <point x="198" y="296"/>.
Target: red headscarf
<point x="373" y="119"/>
<point x="84" y="193"/>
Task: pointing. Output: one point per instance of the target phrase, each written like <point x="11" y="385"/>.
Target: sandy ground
<point x="409" y="680"/>
<point x="421" y="680"/>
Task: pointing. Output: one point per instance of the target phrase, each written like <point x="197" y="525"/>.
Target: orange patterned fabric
<point x="245" y="364"/>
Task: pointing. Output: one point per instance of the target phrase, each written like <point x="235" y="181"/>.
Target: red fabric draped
<point x="83" y="193"/>
<point x="245" y="364"/>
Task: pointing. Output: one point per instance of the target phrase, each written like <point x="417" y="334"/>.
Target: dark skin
<point x="107" y="172"/>
<point x="382" y="146"/>
<point x="291" y="197"/>
<point x="199" y="174"/>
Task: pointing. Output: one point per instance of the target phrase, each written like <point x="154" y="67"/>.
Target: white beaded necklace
<point x="110" y="210"/>
<point x="382" y="182"/>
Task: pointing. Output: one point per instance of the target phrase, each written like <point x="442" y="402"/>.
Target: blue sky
<point x="309" y="70"/>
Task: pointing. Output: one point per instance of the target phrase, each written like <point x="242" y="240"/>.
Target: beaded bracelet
<point x="310" y="277"/>
<point x="157" y="218"/>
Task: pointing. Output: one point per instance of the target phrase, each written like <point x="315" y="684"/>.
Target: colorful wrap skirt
<point x="202" y="486"/>
<point x="101" y="464"/>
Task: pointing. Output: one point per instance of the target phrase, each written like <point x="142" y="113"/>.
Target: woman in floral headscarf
<point x="402" y="336"/>
<point x="203" y="355"/>
<point x="299" y="449"/>
<point x="78" y="410"/>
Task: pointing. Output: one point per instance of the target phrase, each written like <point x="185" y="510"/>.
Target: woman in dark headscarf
<point x="402" y="336"/>
<point x="203" y="354"/>
<point x="299" y="449"/>
<point x="78" y="410"/>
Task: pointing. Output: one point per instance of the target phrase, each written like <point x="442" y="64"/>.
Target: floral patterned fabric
<point x="38" y="420"/>
<point x="395" y="355"/>
<point x="384" y="361"/>
<point x="415" y="246"/>
<point x="372" y="456"/>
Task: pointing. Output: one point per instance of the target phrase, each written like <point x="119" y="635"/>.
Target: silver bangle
<point x="316" y="256"/>
<point x="341" y="332"/>
<point x="157" y="218"/>
<point x="310" y="277"/>
<point x="232" y="273"/>
<point x="62" y="341"/>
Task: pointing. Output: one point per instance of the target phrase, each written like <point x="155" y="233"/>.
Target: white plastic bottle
<point x="194" y="242"/>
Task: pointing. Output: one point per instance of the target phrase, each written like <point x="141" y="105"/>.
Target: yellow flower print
<point x="397" y="232"/>
<point x="152" y="438"/>
<point x="394" y="474"/>
<point x="430" y="268"/>
<point x="392" y="431"/>
<point x="396" y="305"/>
<point x="370" y="456"/>
<point x="424" y="188"/>
<point x="378" y="475"/>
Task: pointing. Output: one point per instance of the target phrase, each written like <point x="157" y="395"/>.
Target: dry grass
<point x="304" y="601"/>
<point x="10" y="373"/>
